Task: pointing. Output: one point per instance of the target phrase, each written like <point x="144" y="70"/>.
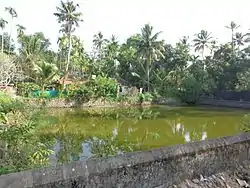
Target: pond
<point x="76" y="134"/>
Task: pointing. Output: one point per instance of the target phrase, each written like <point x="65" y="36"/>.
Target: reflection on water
<point x="75" y="134"/>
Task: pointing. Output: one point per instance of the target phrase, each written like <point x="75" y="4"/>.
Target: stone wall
<point x="145" y="169"/>
<point x="63" y="103"/>
<point x="224" y="103"/>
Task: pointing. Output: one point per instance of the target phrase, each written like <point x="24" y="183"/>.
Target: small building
<point x="125" y="88"/>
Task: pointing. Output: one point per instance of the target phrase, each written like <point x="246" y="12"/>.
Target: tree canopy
<point x="144" y="60"/>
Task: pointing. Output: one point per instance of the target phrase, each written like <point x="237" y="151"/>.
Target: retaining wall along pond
<point x="224" y="103"/>
<point x="144" y="169"/>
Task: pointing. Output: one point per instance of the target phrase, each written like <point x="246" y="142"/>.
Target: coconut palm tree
<point x="240" y="39"/>
<point x="232" y="26"/>
<point x="99" y="41"/>
<point x="13" y="15"/>
<point x="44" y="73"/>
<point x="202" y="41"/>
<point x="32" y="49"/>
<point x="34" y="44"/>
<point x="110" y="56"/>
<point x="111" y="48"/>
<point x="113" y="39"/>
<point x="3" y="24"/>
<point x="149" y="48"/>
<point x="184" y="40"/>
<point x="213" y="46"/>
<point x="20" y="30"/>
<point x="68" y="15"/>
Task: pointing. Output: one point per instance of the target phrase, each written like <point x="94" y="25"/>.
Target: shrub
<point x="9" y="104"/>
<point x="26" y="89"/>
<point x="103" y="87"/>
<point x="148" y="97"/>
<point x="145" y="97"/>
<point x="189" y="90"/>
<point x="19" y="149"/>
<point x="6" y="103"/>
<point x="79" y="92"/>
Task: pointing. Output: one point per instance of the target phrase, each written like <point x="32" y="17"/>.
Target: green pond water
<point x="75" y="134"/>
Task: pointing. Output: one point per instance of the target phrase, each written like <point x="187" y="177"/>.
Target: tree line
<point x="142" y="60"/>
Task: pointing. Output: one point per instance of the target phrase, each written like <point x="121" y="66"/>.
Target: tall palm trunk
<point x="232" y="43"/>
<point x="147" y="69"/>
<point x="203" y="59"/>
<point x="10" y="34"/>
<point x="2" y="42"/>
<point x="233" y="48"/>
<point x="68" y="61"/>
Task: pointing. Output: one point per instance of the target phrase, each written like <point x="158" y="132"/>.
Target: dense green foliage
<point x="101" y="87"/>
<point x="6" y="103"/>
<point x="191" y="67"/>
<point x="104" y="88"/>
<point x="19" y="148"/>
<point x="79" y="92"/>
<point x="26" y="89"/>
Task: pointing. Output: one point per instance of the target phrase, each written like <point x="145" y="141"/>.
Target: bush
<point x="145" y="97"/>
<point x="190" y="89"/>
<point x="19" y="148"/>
<point x="103" y="87"/>
<point x="79" y="92"/>
<point x="6" y="103"/>
<point x="148" y="97"/>
<point x="26" y="89"/>
<point x="9" y="104"/>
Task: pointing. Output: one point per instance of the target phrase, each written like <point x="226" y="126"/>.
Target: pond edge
<point x="166" y="165"/>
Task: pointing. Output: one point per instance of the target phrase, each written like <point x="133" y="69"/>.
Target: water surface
<point x="75" y="134"/>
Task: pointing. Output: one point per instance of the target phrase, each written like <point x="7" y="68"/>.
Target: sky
<point x="175" y="18"/>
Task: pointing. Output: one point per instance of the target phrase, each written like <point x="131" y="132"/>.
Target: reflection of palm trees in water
<point x="68" y="146"/>
<point x="111" y="145"/>
<point x="71" y="146"/>
<point x="204" y="136"/>
<point x="178" y="128"/>
<point x="198" y="135"/>
<point x="195" y="136"/>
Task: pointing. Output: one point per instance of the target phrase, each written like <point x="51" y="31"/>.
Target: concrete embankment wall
<point x="144" y="169"/>
<point x="224" y="103"/>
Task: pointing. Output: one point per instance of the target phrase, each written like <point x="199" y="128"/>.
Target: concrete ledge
<point x="224" y="103"/>
<point x="64" y="103"/>
<point x="163" y="166"/>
